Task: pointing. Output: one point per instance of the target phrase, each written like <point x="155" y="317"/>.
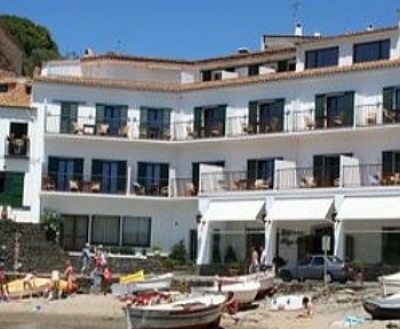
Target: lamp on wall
<point x="198" y="217"/>
<point x="333" y="217"/>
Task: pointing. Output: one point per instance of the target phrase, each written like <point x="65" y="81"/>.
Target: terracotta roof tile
<point x="17" y="94"/>
<point x="174" y="87"/>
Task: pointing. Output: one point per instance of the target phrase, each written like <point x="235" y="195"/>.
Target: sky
<point x="188" y="29"/>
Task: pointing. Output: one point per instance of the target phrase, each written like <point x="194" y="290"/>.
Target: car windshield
<point x="335" y="260"/>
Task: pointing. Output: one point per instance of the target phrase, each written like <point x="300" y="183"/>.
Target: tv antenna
<point x="296" y="9"/>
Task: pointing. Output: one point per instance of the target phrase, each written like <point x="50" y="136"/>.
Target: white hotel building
<point x="277" y="147"/>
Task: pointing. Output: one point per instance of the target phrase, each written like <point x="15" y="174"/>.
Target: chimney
<point x="298" y="31"/>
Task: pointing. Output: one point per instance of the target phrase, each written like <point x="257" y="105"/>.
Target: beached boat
<point x="266" y="280"/>
<point x="287" y="302"/>
<point x="17" y="290"/>
<point x="390" y="283"/>
<point x="384" y="309"/>
<point x="201" y="312"/>
<point x="243" y="292"/>
<point x="158" y="282"/>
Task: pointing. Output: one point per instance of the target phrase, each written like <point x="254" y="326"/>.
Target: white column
<point x="128" y="180"/>
<point x="270" y="241"/>
<point x="203" y="243"/>
<point x="339" y="243"/>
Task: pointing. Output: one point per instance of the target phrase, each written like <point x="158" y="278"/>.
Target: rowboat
<point x="16" y="287"/>
<point x="137" y="276"/>
<point x="266" y="280"/>
<point x="287" y="302"/>
<point x="384" y="309"/>
<point x="159" y="282"/>
<point x="243" y="292"/>
<point x="390" y="283"/>
<point x="201" y="312"/>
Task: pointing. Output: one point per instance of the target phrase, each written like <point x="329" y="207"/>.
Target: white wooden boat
<point x="384" y="309"/>
<point x="159" y="282"/>
<point x="266" y="280"/>
<point x="201" y="312"/>
<point x="390" y="283"/>
<point x="243" y="292"/>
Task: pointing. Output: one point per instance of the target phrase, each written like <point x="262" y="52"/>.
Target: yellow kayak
<point x="138" y="276"/>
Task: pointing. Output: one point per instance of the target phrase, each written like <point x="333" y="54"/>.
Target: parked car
<point x="312" y="268"/>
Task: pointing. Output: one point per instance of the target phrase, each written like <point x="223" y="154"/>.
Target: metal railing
<point x="17" y="147"/>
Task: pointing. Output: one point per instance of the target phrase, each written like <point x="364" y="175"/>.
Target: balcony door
<point x="69" y="115"/>
<point x="326" y="169"/>
<point x="111" y="174"/>
<point x="153" y="176"/>
<point x="63" y="170"/>
<point x="115" y="116"/>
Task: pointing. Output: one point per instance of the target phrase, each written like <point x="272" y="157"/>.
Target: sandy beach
<point x="88" y="311"/>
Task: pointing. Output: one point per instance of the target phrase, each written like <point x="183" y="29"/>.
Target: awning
<point x="234" y="210"/>
<point x="367" y="208"/>
<point x="315" y="209"/>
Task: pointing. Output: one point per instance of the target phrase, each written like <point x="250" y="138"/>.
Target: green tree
<point x="35" y="41"/>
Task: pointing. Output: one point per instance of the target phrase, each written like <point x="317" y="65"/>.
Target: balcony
<point x="185" y="130"/>
<point x="183" y="187"/>
<point x="149" y="186"/>
<point x="76" y="183"/>
<point x="155" y="131"/>
<point x="17" y="147"/>
<point x="240" y="126"/>
<point x="347" y="176"/>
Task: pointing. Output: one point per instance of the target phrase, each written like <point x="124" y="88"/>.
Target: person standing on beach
<point x="4" y="293"/>
<point x="107" y="279"/>
<point x="85" y="259"/>
<point x="69" y="274"/>
<point x="254" y="263"/>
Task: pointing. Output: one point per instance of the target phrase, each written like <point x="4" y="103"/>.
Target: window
<point x="334" y="110"/>
<point x="105" y="230"/>
<point x="209" y="121"/>
<point x="253" y="70"/>
<point x="153" y="176"/>
<point x="63" y="170"/>
<point x="111" y="174"/>
<point x="266" y="116"/>
<point x="155" y="123"/>
<point x="261" y="170"/>
<point x="371" y="51"/>
<point x="326" y="169"/>
<point x="114" y="117"/>
<point x="11" y="188"/>
<point x="69" y="117"/>
<point x="390" y="163"/>
<point x="136" y="231"/>
<point x="390" y="245"/>
<point x="74" y="232"/>
<point x="391" y="105"/>
<point x="322" y="57"/>
<point x="18" y="129"/>
<point x="206" y="75"/>
<point x="3" y="87"/>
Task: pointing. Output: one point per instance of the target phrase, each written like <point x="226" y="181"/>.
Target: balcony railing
<point x="84" y="183"/>
<point x="292" y="121"/>
<point x="148" y="186"/>
<point x="183" y="187"/>
<point x="17" y="147"/>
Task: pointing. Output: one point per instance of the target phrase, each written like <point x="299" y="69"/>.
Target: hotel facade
<point x="274" y="148"/>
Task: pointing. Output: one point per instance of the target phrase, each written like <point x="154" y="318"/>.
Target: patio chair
<point x="389" y="116"/>
<point x="308" y="181"/>
<point x="95" y="187"/>
<point x="76" y="128"/>
<point x="190" y="133"/>
<point x="124" y="131"/>
<point x="261" y="184"/>
<point x="102" y="129"/>
<point x="73" y="185"/>
<point x="309" y="123"/>
<point x="190" y="189"/>
<point x="48" y="183"/>
<point x="371" y="119"/>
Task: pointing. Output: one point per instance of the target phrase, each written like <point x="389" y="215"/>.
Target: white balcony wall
<point x="126" y="71"/>
<point x="64" y="67"/>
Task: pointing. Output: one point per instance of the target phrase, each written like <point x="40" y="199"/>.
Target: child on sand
<point x="307" y="311"/>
